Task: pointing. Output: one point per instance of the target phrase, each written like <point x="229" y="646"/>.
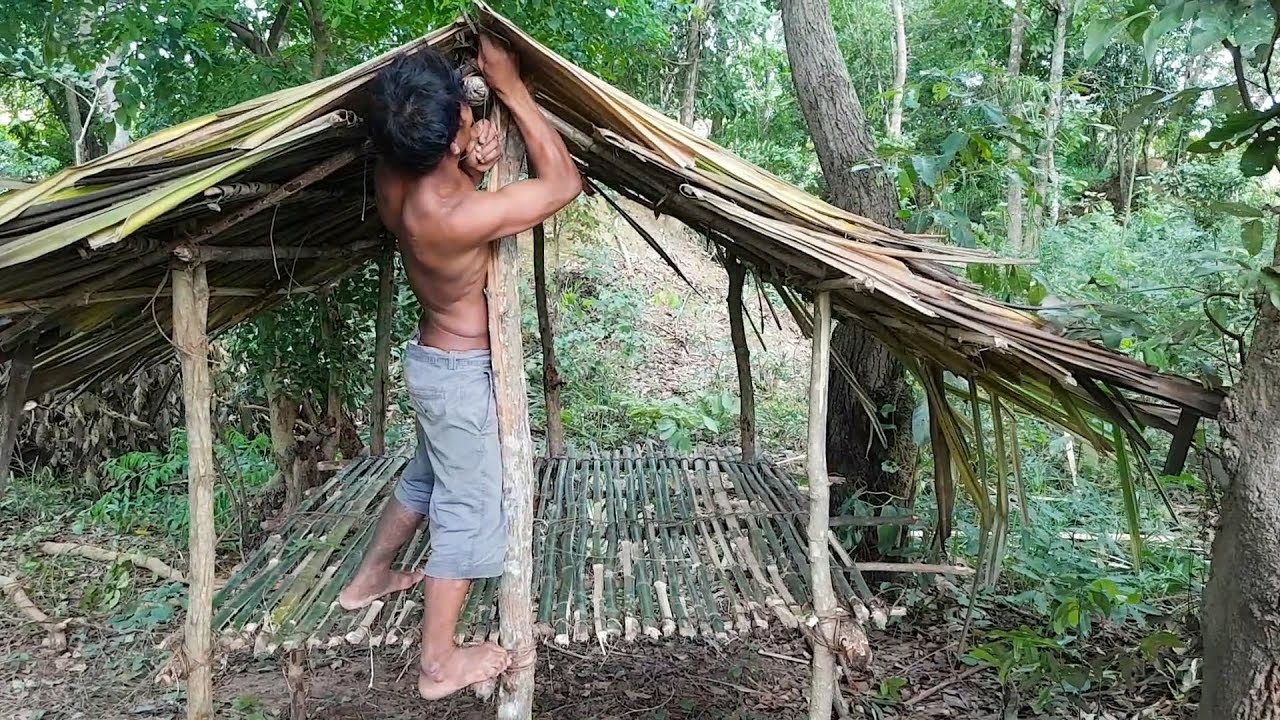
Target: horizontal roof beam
<point x="246" y="253"/>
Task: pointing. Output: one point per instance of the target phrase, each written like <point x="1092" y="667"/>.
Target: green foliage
<point x="145" y="493"/>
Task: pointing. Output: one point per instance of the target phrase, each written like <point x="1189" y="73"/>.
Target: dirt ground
<point x="914" y="675"/>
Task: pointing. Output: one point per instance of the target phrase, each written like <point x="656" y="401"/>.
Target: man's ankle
<point x="434" y="658"/>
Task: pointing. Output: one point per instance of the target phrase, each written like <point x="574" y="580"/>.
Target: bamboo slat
<point x="629" y="544"/>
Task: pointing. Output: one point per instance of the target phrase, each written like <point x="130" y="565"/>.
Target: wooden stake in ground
<point x="382" y="352"/>
<point x="742" y="354"/>
<point x="190" y="324"/>
<point x="546" y="331"/>
<point x="822" y="691"/>
<point x="15" y="395"/>
<point x="515" y="606"/>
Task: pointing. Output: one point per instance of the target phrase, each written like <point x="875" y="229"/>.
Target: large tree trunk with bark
<point x="843" y="140"/>
<point x="1242" y="600"/>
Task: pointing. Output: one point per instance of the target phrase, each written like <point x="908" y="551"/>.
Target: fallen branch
<point x="57" y="636"/>
<point x="930" y="692"/>
<point x="913" y="568"/>
<point x="111" y="556"/>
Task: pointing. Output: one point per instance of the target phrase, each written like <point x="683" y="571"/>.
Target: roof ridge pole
<point x="15" y="396"/>
<point x="190" y="336"/>
<point x="822" y="689"/>
<point x="515" y="595"/>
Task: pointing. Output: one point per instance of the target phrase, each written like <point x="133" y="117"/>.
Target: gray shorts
<point x="455" y="478"/>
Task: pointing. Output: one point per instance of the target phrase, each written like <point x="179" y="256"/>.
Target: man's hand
<point x="498" y="65"/>
<point x="483" y="151"/>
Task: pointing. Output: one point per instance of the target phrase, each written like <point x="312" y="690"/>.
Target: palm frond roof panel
<point x="84" y="255"/>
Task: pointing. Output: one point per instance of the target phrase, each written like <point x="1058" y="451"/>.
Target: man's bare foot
<point x="461" y="668"/>
<point x="362" y="591"/>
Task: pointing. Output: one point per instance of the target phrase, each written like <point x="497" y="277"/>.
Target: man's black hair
<point x="416" y="110"/>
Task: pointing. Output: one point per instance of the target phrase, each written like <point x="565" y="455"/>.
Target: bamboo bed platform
<point x="627" y="545"/>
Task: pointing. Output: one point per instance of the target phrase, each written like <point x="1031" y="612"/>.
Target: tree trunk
<point x="899" y="68"/>
<point x="382" y="353"/>
<point x="693" y="58"/>
<point x="330" y="327"/>
<point x="1013" y="191"/>
<point x="15" y="396"/>
<point x="1242" y="599"/>
<point x="190" y="320"/>
<point x="742" y="356"/>
<point x="319" y="37"/>
<point x="1048" y="180"/>
<point x="843" y="140"/>
<point x="546" y="332"/>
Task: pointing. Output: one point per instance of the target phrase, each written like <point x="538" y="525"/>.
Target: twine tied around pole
<point x="843" y="635"/>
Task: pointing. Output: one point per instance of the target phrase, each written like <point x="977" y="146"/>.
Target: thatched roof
<point x="85" y="253"/>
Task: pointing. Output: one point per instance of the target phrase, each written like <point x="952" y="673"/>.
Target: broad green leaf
<point x="1270" y="280"/>
<point x="1167" y="21"/>
<point x="1260" y="156"/>
<point x="1233" y="208"/>
<point x="1251" y="235"/>
<point x="1099" y="34"/>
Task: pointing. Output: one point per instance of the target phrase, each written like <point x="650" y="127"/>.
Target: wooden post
<point x="1183" y="435"/>
<point x="15" y="396"/>
<point x="330" y="327"/>
<point x="515" y="595"/>
<point x="382" y="351"/>
<point x="742" y="353"/>
<point x="944" y="484"/>
<point x="190" y="324"/>
<point x="546" y="331"/>
<point x="822" y="691"/>
<point x="296" y="679"/>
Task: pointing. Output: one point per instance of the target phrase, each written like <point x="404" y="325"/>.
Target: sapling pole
<point x="190" y="325"/>
<point x="515" y="595"/>
<point x="822" y="690"/>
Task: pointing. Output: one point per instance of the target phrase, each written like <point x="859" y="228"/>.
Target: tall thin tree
<point x="899" y="68"/>
<point x="1014" y="198"/>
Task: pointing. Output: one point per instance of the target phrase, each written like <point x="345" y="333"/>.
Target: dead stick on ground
<point x="930" y="692"/>
<point x="111" y="556"/>
<point x="16" y="595"/>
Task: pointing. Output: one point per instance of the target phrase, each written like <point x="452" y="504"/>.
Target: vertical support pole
<point x="296" y="679"/>
<point x="190" y="325"/>
<point x="742" y="354"/>
<point x="382" y="352"/>
<point x="546" y="331"/>
<point x="15" y="396"/>
<point x="515" y="595"/>
<point x="330" y="326"/>
<point x="1183" y="435"/>
<point x="944" y="484"/>
<point x="822" y="691"/>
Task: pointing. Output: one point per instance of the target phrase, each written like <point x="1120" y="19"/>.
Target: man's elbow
<point x="569" y="186"/>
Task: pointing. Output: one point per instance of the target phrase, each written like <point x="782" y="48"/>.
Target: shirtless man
<point x="431" y="157"/>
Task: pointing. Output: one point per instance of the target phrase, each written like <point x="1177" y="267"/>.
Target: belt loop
<point x="453" y="360"/>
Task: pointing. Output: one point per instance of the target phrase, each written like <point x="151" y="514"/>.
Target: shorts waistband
<point x="448" y="359"/>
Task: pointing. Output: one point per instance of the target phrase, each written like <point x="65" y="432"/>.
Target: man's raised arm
<point x="519" y="206"/>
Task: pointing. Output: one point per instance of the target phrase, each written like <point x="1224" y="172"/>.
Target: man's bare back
<point x="448" y="280"/>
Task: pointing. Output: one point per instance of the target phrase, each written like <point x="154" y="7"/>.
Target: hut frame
<point x="88" y="248"/>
